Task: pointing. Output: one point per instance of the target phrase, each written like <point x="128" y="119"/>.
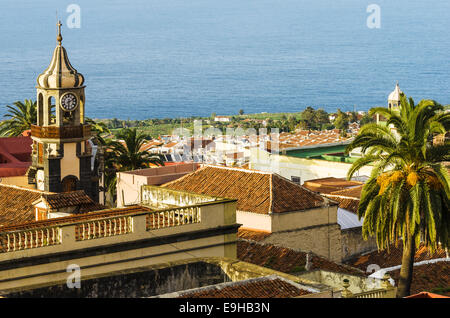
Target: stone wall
<point x="324" y="240"/>
<point x="353" y="243"/>
<point x="136" y="284"/>
<point x="358" y="284"/>
<point x="160" y="279"/>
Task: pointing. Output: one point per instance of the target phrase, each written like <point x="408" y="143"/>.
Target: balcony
<point x="167" y="226"/>
<point x="163" y="212"/>
<point x="64" y="132"/>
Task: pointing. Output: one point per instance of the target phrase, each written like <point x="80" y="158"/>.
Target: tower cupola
<point x="60" y="73"/>
<point x="394" y="98"/>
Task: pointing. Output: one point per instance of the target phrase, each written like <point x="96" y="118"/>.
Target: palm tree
<point x="407" y="196"/>
<point x="129" y="155"/>
<point x="99" y="129"/>
<point x="126" y="156"/>
<point x="22" y="116"/>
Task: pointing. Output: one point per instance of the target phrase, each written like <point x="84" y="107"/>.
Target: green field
<point x="274" y="116"/>
<point x="165" y="127"/>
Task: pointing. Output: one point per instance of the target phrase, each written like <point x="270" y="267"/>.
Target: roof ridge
<point x="296" y="250"/>
<point x="325" y="200"/>
<point x="26" y="189"/>
<point x="221" y="286"/>
<point x="340" y="196"/>
<point x="202" y="167"/>
<point x="240" y="169"/>
<point x="274" y="245"/>
<point x="271" y="194"/>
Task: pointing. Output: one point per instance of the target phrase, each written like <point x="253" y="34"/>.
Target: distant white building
<point x="394" y="97"/>
<point x="224" y="119"/>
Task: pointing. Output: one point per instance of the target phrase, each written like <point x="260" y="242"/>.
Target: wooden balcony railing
<point x="61" y="132"/>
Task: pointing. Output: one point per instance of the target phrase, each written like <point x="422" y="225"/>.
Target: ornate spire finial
<point x="59" y="37"/>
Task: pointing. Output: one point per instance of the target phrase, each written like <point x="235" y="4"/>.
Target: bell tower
<point x="62" y="152"/>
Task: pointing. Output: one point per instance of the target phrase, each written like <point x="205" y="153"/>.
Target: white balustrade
<point x="27" y="239"/>
<point x="105" y="228"/>
<point x="174" y="217"/>
<point x="88" y="230"/>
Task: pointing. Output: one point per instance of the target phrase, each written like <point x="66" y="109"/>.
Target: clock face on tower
<point x="69" y="102"/>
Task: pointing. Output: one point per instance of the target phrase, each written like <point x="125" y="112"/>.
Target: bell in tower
<point x="62" y="152"/>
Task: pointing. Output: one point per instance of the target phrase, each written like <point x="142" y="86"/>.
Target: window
<point x="295" y="179"/>
<point x="51" y="111"/>
<point x="41" y="214"/>
<point x="69" y="184"/>
<point x="40" y="153"/>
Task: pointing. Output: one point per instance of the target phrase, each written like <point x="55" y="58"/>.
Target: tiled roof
<point x="171" y="144"/>
<point x="352" y="192"/>
<point x="15" y="156"/>
<point x="345" y="203"/>
<point x="150" y="144"/>
<point x="426" y="295"/>
<point x="68" y="199"/>
<point x="386" y="259"/>
<point x="251" y="234"/>
<point x="262" y="287"/>
<point x="302" y="138"/>
<point x="77" y="218"/>
<point x="16" y="204"/>
<point x="287" y="260"/>
<point x="329" y="185"/>
<point x="433" y="278"/>
<point x="256" y="191"/>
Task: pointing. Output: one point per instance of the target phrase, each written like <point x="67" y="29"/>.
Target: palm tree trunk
<point x="406" y="271"/>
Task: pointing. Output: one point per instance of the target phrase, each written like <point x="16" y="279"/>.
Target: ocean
<point x="177" y="58"/>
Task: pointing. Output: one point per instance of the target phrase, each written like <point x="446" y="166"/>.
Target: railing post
<point x="345" y="292"/>
<point x="66" y="235"/>
<point x="386" y="284"/>
<point x="139" y="224"/>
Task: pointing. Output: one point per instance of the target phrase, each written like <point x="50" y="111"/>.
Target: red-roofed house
<point x="129" y="182"/>
<point x="15" y="156"/>
<point x="293" y="215"/>
<point x="426" y="295"/>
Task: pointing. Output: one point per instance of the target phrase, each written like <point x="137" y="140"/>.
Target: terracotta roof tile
<point x="261" y="287"/>
<point x="77" y="218"/>
<point x="433" y="278"/>
<point x="393" y="257"/>
<point x="426" y="295"/>
<point x="15" y="156"/>
<point x="287" y="260"/>
<point x="352" y="192"/>
<point x="16" y="204"/>
<point x="345" y="203"/>
<point x="330" y="184"/>
<point x="254" y="235"/>
<point x="256" y="191"/>
<point x="68" y="199"/>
